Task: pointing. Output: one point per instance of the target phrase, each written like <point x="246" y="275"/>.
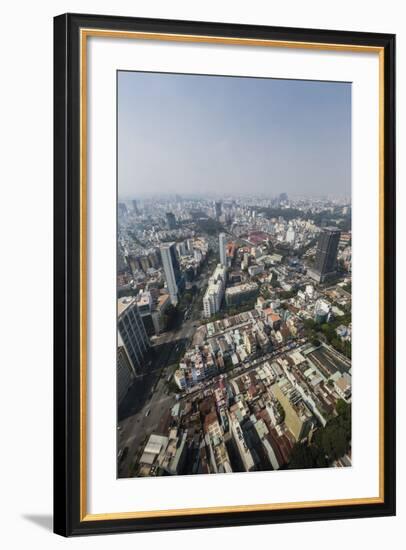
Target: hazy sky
<point x="196" y="134"/>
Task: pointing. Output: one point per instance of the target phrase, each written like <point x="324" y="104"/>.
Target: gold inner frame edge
<point x="173" y="37"/>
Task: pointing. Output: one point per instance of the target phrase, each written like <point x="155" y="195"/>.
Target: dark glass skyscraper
<point x="171" y="220"/>
<point x="132" y="332"/>
<point x="217" y="207"/>
<point x="135" y="207"/>
<point x="173" y="274"/>
<point x="326" y="253"/>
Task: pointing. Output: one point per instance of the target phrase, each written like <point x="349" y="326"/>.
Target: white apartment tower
<point x="215" y="291"/>
<point x="290" y="235"/>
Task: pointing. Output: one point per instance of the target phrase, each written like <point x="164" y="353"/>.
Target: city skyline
<point x="234" y="336"/>
<point x="249" y="129"/>
<point x="146" y="195"/>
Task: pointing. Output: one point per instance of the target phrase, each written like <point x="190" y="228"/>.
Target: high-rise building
<point x="215" y="291"/>
<point x="219" y="457"/>
<point x="158" y="317"/>
<point x="145" y="265"/>
<point x="246" y="261"/>
<point x="241" y="444"/>
<point x="298" y="417"/>
<point x="290" y="235"/>
<point x="217" y="208"/>
<point x="132" y="331"/>
<point x="135" y="207"/>
<point x="144" y="304"/>
<point x="181" y="248"/>
<point x="222" y="248"/>
<point x="326" y="254"/>
<point x="171" y="220"/>
<point x="154" y="259"/>
<point x="134" y="263"/>
<point x="237" y="295"/>
<point x="173" y="274"/>
<point x="125" y="370"/>
<point x="189" y="245"/>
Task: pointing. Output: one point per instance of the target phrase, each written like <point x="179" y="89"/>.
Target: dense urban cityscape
<point x="233" y="334"/>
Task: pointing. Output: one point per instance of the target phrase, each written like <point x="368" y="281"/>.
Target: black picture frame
<point x="67" y="351"/>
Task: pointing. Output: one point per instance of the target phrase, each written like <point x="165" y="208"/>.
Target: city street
<point x="136" y="428"/>
<point x="147" y="401"/>
<point x="149" y="393"/>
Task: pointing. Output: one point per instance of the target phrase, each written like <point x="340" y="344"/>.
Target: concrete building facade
<point x="132" y="332"/>
<point x="222" y="248"/>
<point x="125" y="370"/>
<point x="215" y="291"/>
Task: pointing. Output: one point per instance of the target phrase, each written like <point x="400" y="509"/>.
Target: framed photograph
<point x="224" y="274"/>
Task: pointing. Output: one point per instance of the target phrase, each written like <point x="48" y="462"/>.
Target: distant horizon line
<point x="213" y="196"/>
